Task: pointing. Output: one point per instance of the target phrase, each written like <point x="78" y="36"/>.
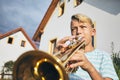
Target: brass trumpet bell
<point x="38" y="65"/>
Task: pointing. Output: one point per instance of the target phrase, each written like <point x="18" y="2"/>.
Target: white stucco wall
<point x="107" y="25"/>
<point x="13" y="51"/>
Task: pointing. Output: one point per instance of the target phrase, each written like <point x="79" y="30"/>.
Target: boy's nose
<point x="79" y="31"/>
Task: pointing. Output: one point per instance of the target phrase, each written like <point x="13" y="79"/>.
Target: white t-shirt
<point x="103" y="64"/>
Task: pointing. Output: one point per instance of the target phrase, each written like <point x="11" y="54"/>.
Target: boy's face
<point x="82" y="29"/>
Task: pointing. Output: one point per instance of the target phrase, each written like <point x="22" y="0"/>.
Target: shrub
<point x="116" y="60"/>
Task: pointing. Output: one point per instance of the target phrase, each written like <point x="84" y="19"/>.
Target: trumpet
<point x="39" y="65"/>
<point x="72" y="47"/>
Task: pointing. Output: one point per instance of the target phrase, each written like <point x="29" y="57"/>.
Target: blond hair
<point x="83" y="18"/>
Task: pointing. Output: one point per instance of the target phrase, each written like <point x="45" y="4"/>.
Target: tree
<point x="8" y="67"/>
<point x="116" y="60"/>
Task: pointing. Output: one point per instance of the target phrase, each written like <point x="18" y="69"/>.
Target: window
<point x="23" y="43"/>
<point x="10" y="40"/>
<point x="68" y="0"/>
<point x="94" y="38"/>
<point x="77" y="2"/>
<point x="61" y="7"/>
<point x="52" y="46"/>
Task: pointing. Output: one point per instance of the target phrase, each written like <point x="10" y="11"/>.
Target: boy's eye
<point x="83" y="26"/>
<point x="73" y="28"/>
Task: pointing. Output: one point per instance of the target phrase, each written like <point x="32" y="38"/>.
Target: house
<point x="56" y="22"/>
<point x="13" y="44"/>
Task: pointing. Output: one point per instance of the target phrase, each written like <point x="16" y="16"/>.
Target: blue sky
<point x="25" y="13"/>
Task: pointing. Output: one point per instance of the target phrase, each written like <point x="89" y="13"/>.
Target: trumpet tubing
<point x="65" y="57"/>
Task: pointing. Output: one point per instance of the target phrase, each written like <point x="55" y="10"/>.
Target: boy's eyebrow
<point x="73" y="26"/>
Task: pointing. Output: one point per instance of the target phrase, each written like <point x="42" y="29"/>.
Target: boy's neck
<point x="89" y="48"/>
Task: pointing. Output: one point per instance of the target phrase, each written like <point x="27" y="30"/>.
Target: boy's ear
<point x="93" y="32"/>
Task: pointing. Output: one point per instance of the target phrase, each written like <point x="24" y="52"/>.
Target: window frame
<point x="23" y="43"/>
<point x="52" y="45"/>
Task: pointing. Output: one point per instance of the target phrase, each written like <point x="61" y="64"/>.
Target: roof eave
<point x="45" y="19"/>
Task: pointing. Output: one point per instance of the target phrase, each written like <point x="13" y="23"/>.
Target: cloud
<point x="28" y="14"/>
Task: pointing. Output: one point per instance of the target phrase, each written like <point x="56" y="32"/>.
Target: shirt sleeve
<point x="107" y="68"/>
